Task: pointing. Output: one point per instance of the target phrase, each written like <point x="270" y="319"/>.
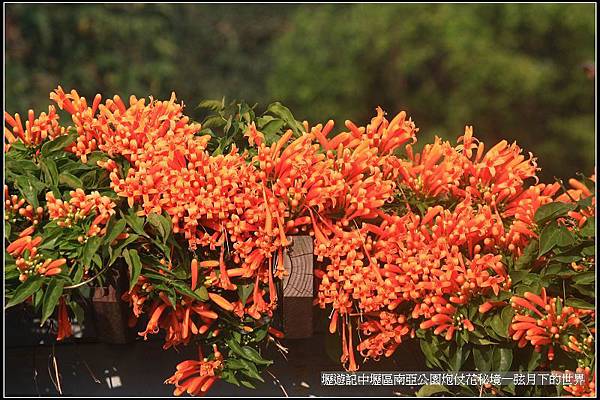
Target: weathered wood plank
<point x="298" y="288"/>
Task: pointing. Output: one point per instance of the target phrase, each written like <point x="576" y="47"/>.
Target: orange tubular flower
<point x="196" y="377"/>
<point x="221" y="301"/>
<point x="64" y="324"/>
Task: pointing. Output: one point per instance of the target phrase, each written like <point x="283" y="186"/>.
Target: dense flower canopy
<point x="407" y="242"/>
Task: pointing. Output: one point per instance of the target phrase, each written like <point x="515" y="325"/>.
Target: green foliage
<point x="228" y="123"/>
<point x="511" y="70"/>
<point x="196" y="50"/>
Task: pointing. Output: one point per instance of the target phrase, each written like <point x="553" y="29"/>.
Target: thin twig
<point x="35" y="372"/>
<point x="278" y="383"/>
<point x="96" y="380"/>
<point x="283" y="350"/>
<point x="87" y="281"/>
<point x="55" y="365"/>
<point x="57" y="373"/>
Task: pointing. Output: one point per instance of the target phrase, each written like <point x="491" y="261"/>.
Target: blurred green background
<point x="514" y="71"/>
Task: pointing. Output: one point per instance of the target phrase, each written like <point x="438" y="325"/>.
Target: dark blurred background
<point x="522" y="72"/>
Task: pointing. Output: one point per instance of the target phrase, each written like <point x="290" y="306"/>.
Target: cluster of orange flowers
<point x="29" y="261"/>
<point x="36" y="130"/>
<point x="441" y="260"/>
<point x="15" y="207"/>
<point x="544" y="322"/>
<point x="585" y="389"/>
<point x="80" y="206"/>
<point x="578" y="192"/>
<point x="196" y="377"/>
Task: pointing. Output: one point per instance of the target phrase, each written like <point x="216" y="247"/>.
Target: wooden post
<point x="298" y="288"/>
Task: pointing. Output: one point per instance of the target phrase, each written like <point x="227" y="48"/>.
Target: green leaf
<point x="116" y="253"/>
<point x="271" y="128"/>
<point x="459" y="356"/>
<point x="229" y="377"/>
<point x="79" y="270"/>
<point x="534" y="360"/>
<point x="502" y="358"/>
<point x="585" y="278"/>
<point x="37" y="298"/>
<point x="95" y="156"/>
<point x="579" y="303"/>
<point x="78" y="311"/>
<point x="476" y="338"/>
<point x="589" y="228"/>
<point x="58" y="144"/>
<point x="252" y="374"/>
<point x="27" y="167"/>
<point x="156" y="221"/>
<point x="429" y="351"/>
<point x="506" y="316"/>
<point x="89" y="249"/>
<point x="589" y="250"/>
<point x="114" y="229"/>
<point x="51" y="297"/>
<point x="167" y="226"/>
<point x="132" y="259"/>
<point x="244" y="291"/>
<point x="11" y="272"/>
<point x="186" y="291"/>
<point x="551" y="211"/>
<point x="586" y="202"/>
<point x="235" y="346"/>
<point x="50" y="170"/>
<point x="554" y="235"/>
<point x="135" y="222"/>
<point x="497" y="324"/>
<point x="23" y="291"/>
<point x="519" y="276"/>
<point x="482" y="357"/>
<point x="213" y="121"/>
<point x="214" y="105"/>
<point x="430" y="390"/>
<point x="70" y="180"/>
<point x="251" y="354"/>
<point x="247" y="384"/>
<point x="528" y="257"/>
<point x="585" y="290"/>
<point x="202" y="293"/>
<point x="566" y="258"/>
<point x="285" y="114"/>
<point x="29" y="188"/>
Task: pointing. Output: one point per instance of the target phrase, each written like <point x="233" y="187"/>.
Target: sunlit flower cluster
<point x="80" y="206"/>
<point x="196" y="377"/>
<point x="585" y="389"/>
<point x="545" y="322"/>
<point x="15" y="209"/>
<point x="36" y="130"/>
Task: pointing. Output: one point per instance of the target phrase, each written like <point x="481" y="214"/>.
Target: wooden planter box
<point x="111" y="314"/>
